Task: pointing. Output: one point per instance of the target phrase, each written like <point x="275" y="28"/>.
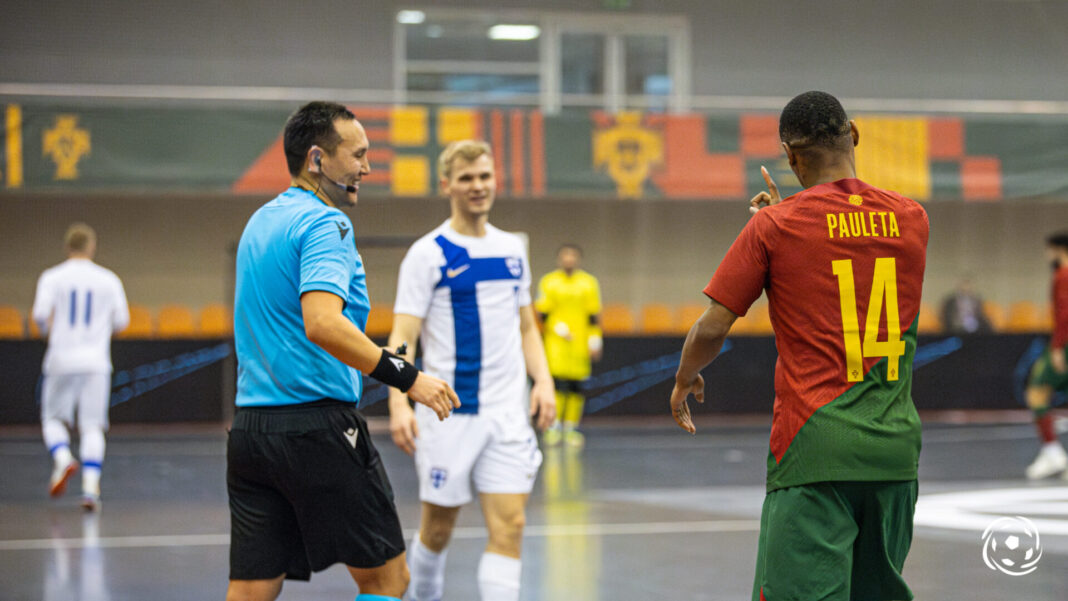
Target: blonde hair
<point x="79" y="238"/>
<point x="468" y="150"/>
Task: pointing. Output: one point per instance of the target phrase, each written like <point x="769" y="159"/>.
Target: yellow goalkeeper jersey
<point x="568" y="303"/>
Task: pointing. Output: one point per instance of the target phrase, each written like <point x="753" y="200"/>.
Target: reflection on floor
<point x="643" y="512"/>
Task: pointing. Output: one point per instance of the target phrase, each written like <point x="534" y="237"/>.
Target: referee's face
<point x="472" y="186"/>
<point x="348" y="163"/>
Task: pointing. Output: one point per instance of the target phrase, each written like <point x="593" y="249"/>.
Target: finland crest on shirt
<point x="468" y="291"/>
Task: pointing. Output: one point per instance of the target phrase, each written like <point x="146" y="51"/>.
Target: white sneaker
<point x="1051" y="460"/>
<point x="90" y="502"/>
<point x="61" y="474"/>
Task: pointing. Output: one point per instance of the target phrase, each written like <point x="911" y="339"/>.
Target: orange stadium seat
<point x="215" y="321"/>
<point x="687" y="315"/>
<point x="617" y="318"/>
<point x="657" y="318"/>
<point x="1023" y="316"/>
<point x="175" y="321"/>
<point x="995" y="313"/>
<point x="379" y="320"/>
<point x="757" y="322"/>
<point x="141" y="323"/>
<point x="12" y="326"/>
<point x="929" y="322"/>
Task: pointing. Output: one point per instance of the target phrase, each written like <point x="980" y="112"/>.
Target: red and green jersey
<point x="842" y="264"/>
<point x="1060" y="308"/>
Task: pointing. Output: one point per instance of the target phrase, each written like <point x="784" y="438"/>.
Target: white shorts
<point x="90" y="393"/>
<point x="498" y="453"/>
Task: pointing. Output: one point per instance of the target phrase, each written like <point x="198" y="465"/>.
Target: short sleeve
<point x="328" y="255"/>
<point x="739" y="279"/>
<point x="420" y="272"/>
<point x="120" y="313"/>
<point x="42" y="302"/>
<point x="524" y="281"/>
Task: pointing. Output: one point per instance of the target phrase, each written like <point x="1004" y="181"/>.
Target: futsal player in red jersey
<point x="842" y="263"/>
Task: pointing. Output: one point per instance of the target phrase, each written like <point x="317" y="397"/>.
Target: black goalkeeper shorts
<point x="307" y="490"/>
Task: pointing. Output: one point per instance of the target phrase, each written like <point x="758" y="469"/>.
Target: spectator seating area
<point x="653" y="319"/>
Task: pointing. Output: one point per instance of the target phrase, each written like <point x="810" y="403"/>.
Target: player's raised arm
<point x="326" y="326"/>
<point x="702" y="345"/>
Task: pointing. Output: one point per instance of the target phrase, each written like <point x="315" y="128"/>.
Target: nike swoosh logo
<point x="451" y="273"/>
<point x="341" y="229"/>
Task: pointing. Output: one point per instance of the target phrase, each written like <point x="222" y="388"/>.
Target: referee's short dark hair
<point x="312" y="125"/>
<point x="814" y="119"/>
<point x="1058" y="240"/>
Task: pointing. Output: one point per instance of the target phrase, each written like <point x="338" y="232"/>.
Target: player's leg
<point x="554" y="435"/>
<point x="57" y="413"/>
<point x="504" y="477"/>
<point x="387" y="581"/>
<point x="576" y="403"/>
<point x="884" y="513"/>
<point x="1052" y="458"/>
<point x="254" y="590"/>
<point x="805" y="549"/>
<point x="444" y="456"/>
<point x="92" y="424"/>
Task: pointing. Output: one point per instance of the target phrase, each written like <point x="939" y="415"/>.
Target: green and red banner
<point x="589" y="154"/>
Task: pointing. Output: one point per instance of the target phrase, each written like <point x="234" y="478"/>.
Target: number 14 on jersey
<point x="883" y="295"/>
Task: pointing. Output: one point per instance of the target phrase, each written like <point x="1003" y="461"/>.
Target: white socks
<point x="57" y="439"/>
<point x="498" y="577"/>
<point x="92" y="453"/>
<point x="427" y="572"/>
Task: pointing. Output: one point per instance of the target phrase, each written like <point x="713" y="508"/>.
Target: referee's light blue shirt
<point x="292" y="245"/>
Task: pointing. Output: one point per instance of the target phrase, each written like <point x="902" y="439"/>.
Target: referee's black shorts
<point x="307" y="490"/>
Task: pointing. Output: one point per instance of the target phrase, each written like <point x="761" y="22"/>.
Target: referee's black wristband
<point x="394" y="371"/>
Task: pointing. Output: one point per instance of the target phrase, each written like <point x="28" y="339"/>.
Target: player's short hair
<point x="312" y="125"/>
<point x="79" y="238"/>
<point x="1058" y="240"/>
<point x="813" y="119"/>
<point x="569" y="246"/>
<point x="468" y="150"/>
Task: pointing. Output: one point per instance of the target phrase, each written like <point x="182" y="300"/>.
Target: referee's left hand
<point x="543" y="404"/>
<point x="680" y="409"/>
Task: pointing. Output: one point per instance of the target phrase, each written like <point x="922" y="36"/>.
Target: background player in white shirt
<point x="80" y="305"/>
<point x="465" y="287"/>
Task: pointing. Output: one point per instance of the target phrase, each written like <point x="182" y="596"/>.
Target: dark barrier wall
<point x="171" y="381"/>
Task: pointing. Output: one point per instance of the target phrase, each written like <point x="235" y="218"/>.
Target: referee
<point x="307" y="488"/>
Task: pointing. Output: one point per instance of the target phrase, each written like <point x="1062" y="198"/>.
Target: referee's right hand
<point x="434" y="393"/>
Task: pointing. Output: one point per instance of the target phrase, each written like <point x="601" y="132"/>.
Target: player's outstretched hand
<point x="543" y="404"/>
<point x="765" y="199"/>
<point x="680" y="409"/>
<point x="434" y="393"/>
<point x="403" y="427"/>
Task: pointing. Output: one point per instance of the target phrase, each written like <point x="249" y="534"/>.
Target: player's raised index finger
<point x="770" y="182"/>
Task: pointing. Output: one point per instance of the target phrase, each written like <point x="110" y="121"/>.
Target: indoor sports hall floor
<point x="644" y="512"/>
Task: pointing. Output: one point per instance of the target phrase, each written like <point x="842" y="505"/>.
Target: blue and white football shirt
<point x="292" y="245"/>
<point x="468" y="291"/>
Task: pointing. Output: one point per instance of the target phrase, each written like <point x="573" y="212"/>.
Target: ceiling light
<point x="411" y="17"/>
<point x="514" y="32"/>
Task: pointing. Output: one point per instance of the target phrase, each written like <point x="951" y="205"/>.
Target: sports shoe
<point x="60" y="476"/>
<point x="1051" y="460"/>
<point x="551" y="437"/>
<point x="574" y="439"/>
<point x="90" y="502"/>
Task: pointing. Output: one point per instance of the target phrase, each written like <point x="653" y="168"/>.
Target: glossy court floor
<point x="644" y="512"/>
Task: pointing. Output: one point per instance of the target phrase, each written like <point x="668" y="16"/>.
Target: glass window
<point x="646" y="65"/>
<point x="582" y="63"/>
<point x="465" y="40"/>
<point x="473" y="82"/>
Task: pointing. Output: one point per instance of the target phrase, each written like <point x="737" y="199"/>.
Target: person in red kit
<point x="842" y="263"/>
<point x="1050" y="371"/>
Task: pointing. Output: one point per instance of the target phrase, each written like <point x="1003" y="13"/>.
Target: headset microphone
<point x="319" y="164"/>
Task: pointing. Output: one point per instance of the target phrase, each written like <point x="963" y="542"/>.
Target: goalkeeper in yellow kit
<point x="569" y="302"/>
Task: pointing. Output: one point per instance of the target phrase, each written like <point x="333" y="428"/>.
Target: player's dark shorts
<point x="307" y="490"/>
<point x="565" y="385"/>
<point x="1043" y="374"/>
<point x="835" y="541"/>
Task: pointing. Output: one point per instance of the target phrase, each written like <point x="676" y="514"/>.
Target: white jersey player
<point x="80" y="305"/>
<point x="464" y="292"/>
